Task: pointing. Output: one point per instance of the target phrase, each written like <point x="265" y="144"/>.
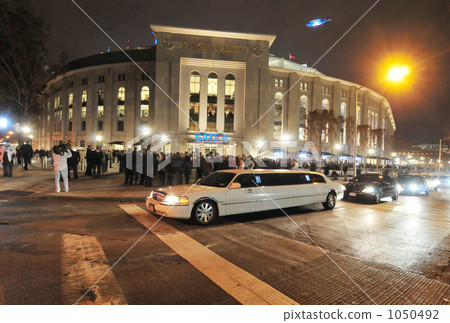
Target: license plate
<point x="352" y="194"/>
<point x="151" y="207"/>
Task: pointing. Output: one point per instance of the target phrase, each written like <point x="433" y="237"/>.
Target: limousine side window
<point x="283" y="179"/>
<point x="247" y="180"/>
<point x="316" y="178"/>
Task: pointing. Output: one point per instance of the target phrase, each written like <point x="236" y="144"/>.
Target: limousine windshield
<point x="217" y="179"/>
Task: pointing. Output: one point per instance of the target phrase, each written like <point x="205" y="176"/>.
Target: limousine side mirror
<point x="235" y="185"/>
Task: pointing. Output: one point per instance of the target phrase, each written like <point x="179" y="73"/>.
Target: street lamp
<point x="3" y="122"/>
<point x="395" y="74"/>
<point x="440" y="151"/>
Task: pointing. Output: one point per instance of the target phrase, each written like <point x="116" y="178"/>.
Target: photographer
<point x="60" y="155"/>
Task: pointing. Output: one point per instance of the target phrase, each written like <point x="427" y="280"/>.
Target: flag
<point x="128" y="44"/>
<point x="291" y="56"/>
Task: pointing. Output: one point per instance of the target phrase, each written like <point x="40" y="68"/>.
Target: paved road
<point x="52" y="252"/>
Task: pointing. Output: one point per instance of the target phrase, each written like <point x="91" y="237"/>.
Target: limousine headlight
<point x="172" y="199"/>
<point x="368" y="190"/>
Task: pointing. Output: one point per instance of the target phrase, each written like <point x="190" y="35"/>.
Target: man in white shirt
<point x="60" y="155"/>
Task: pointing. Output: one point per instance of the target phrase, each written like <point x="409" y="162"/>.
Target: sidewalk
<point x="40" y="183"/>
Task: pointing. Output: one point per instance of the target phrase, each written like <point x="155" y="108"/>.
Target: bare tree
<point x="23" y="72"/>
<point x="321" y="124"/>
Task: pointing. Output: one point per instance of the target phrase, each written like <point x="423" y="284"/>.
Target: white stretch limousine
<point x="228" y="192"/>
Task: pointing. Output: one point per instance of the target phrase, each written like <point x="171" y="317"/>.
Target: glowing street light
<point x="395" y="74"/>
<point x="3" y="122"/>
<point x="98" y="138"/>
<point x="26" y="129"/>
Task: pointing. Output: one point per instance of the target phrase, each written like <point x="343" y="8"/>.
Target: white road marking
<point x="3" y="201"/>
<point x="238" y="283"/>
<point x="82" y="263"/>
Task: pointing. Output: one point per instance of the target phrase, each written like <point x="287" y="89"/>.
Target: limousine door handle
<point x="249" y="190"/>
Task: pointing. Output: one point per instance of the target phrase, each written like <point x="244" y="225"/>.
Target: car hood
<point x="183" y="190"/>
<point x="358" y="186"/>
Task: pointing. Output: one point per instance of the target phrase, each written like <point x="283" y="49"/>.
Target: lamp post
<point x="440" y="152"/>
<point x="395" y="74"/>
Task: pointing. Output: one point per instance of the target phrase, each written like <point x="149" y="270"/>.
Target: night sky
<point x="415" y="32"/>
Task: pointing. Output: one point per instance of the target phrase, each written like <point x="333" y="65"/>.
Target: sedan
<point x="372" y="187"/>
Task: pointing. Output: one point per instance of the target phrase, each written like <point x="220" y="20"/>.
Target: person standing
<point x="73" y="162"/>
<point x="312" y="167"/>
<point x="60" y="156"/>
<point x="97" y="157"/>
<point x="7" y="153"/>
<point x="89" y="160"/>
<point x="42" y="157"/>
<point x="27" y="154"/>
<point x="187" y="165"/>
<point x="345" y="170"/>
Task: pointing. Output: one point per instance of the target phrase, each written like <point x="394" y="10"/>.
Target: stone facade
<point x="259" y="78"/>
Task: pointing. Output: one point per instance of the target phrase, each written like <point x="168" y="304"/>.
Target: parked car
<point x="413" y="184"/>
<point x="243" y="191"/>
<point x="372" y="186"/>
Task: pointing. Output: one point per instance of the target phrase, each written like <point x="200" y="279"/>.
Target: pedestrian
<point x="60" y="155"/>
<point x="42" y="157"/>
<point x="312" y="167"/>
<point x="105" y="158"/>
<point x="7" y="152"/>
<point x="345" y="170"/>
<point x="187" y="165"/>
<point x="89" y="161"/>
<point x="97" y="158"/>
<point x="27" y="154"/>
<point x="129" y="169"/>
<point x="72" y="162"/>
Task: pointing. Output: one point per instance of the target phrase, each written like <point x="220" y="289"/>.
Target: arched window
<point x="70" y="106"/>
<point x="83" y="104"/>
<point x="211" y="124"/>
<point x="100" y="106"/>
<point x="121" y="102"/>
<point x="303" y="117"/>
<point x="230" y="86"/>
<point x="278" y="116"/>
<point x="145" y="101"/>
<point x="325" y="104"/>
<point x="194" y="100"/>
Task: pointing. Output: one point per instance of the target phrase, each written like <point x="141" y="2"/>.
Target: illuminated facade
<point x="207" y="82"/>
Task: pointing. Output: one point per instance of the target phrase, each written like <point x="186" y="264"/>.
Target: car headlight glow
<point x="399" y="187"/>
<point x="413" y="187"/>
<point x="171" y="199"/>
<point x="369" y="190"/>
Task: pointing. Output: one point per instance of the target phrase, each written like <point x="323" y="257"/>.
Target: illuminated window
<point x="325" y="90"/>
<point x="70" y="100"/>
<point x="100" y="107"/>
<point x="100" y="111"/>
<point x="121" y="102"/>
<point x="70" y="113"/>
<point x="194" y="100"/>
<point x="83" y="112"/>
<point x="145" y="95"/>
<point x="230" y="86"/>
<point x="278" y="116"/>
<point x="276" y="82"/>
<point x="303" y="117"/>
<point x="358" y="115"/>
<point x="211" y="119"/>
<point x="303" y="86"/>
<point x="84" y="98"/>
<point x="325" y="104"/>
<point x="281" y="82"/>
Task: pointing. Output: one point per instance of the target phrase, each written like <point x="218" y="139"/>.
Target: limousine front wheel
<point x="204" y="212"/>
<point x="330" y="202"/>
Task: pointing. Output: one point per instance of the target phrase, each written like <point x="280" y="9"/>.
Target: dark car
<point x="372" y="187"/>
<point x="413" y="184"/>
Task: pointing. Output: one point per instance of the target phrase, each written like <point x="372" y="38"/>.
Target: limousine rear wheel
<point x="204" y="212"/>
<point x="330" y="202"/>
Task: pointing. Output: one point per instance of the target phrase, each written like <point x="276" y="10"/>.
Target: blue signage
<point x="211" y="137"/>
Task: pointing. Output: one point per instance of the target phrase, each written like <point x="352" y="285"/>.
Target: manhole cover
<point x="16" y="193"/>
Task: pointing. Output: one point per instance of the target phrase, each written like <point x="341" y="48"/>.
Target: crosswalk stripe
<point x="82" y="263"/>
<point x="238" y="283"/>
